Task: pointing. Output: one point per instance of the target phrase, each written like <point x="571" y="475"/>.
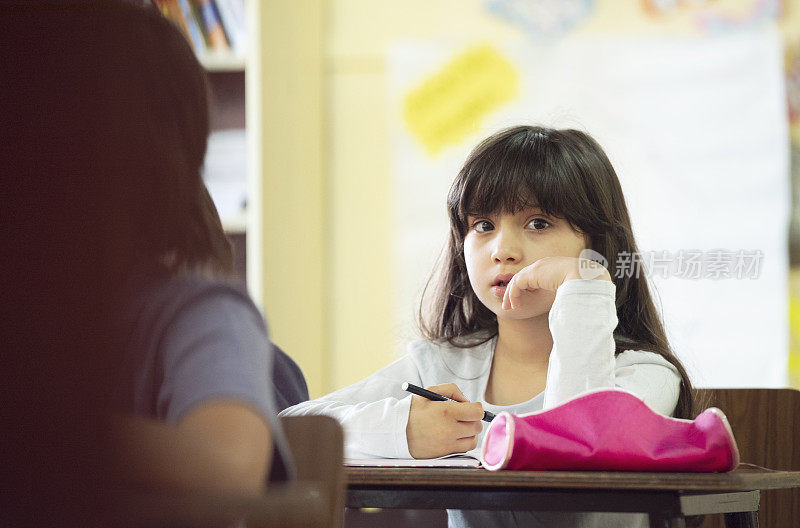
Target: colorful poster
<point x="758" y="12"/>
<point x="542" y="20"/>
<point x="696" y="128"/>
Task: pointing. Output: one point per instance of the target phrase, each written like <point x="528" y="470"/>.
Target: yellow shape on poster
<point x="794" y="342"/>
<point x="448" y="106"/>
<point x="794" y="328"/>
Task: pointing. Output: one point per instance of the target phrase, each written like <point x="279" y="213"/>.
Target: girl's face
<point x="498" y="246"/>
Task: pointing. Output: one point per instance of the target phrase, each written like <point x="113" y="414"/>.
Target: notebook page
<point x="457" y="460"/>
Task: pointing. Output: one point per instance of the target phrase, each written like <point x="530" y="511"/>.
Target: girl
<point x="137" y="366"/>
<point x="515" y="320"/>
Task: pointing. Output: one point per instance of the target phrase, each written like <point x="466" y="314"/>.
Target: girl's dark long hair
<point x="114" y="122"/>
<point x="161" y="100"/>
<point x="567" y="175"/>
<point x="105" y="123"/>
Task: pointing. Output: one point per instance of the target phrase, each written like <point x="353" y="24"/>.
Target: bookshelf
<point x="227" y="112"/>
<point x="235" y="224"/>
<point x="222" y="62"/>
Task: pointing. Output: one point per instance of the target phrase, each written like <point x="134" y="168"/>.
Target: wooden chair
<point x="296" y="505"/>
<point x="315" y="500"/>
<point x="766" y="424"/>
<point x="317" y="443"/>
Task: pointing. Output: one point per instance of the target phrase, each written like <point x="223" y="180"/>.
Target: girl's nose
<point x="506" y="249"/>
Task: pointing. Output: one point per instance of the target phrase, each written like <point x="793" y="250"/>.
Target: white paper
<point x="225" y="172"/>
<point x="456" y="460"/>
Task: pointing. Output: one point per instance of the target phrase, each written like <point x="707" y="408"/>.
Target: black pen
<point x="425" y="393"/>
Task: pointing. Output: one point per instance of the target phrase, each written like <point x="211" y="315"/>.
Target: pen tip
<point x="405" y="385"/>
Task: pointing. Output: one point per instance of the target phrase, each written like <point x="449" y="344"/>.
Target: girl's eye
<point x="481" y="226"/>
<point x="538" y="224"/>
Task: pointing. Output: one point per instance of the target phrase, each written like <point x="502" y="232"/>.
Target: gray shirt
<point x="188" y="341"/>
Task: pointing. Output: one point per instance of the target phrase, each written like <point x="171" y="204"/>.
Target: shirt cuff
<point x="584" y="286"/>
<point x="401" y="444"/>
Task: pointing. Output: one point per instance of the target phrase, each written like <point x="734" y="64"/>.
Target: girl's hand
<point x="549" y="273"/>
<point x="438" y="428"/>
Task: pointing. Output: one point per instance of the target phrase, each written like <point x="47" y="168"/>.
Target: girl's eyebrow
<point x="533" y="211"/>
<point x="540" y="212"/>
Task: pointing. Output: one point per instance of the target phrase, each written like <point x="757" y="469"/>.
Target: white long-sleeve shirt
<point x="374" y="411"/>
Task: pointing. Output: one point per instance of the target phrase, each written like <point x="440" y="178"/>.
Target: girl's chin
<point x="532" y="305"/>
<point x="521" y="313"/>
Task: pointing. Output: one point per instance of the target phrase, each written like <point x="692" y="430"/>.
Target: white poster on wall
<point x="696" y="128"/>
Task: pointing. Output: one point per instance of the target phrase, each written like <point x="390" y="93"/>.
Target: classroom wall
<point x="287" y="206"/>
<point x="326" y="231"/>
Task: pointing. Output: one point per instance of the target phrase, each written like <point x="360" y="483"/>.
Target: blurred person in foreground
<point x="130" y="362"/>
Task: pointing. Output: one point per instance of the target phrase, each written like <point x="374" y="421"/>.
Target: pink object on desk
<point x="609" y="430"/>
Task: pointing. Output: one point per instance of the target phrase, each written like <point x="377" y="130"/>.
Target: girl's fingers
<point x="462" y="445"/>
<point x="513" y="291"/>
<point x="508" y="303"/>
<point x="467" y="429"/>
<point x="471" y="412"/>
<point x="545" y="274"/>
<point x="520" y="282"/>
<point x="449" y="390"/>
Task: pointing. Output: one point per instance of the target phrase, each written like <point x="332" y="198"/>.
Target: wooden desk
<point x="666" y="497"/>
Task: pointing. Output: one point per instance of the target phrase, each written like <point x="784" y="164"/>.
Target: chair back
<point x="317" y="444"/>
<point x="315" y="500"/>
<point x="766" y="424"/>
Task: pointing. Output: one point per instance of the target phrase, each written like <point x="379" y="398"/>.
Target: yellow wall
<point x="325" y="156"/>
<point x="285" y="124"/>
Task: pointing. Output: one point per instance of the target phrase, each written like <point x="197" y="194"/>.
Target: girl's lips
<point x="500" y="283"/>
<point x="503" y="279"/>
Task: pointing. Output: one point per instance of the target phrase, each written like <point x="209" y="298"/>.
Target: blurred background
<point x="339" y="125"/>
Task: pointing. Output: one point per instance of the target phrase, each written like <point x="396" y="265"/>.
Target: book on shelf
<point x="232" y="15"/>
<point x="212" y="26"/>
<point x="194" y="33"/>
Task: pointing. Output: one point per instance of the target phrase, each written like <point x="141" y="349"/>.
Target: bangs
<point x="511" y="173"/>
